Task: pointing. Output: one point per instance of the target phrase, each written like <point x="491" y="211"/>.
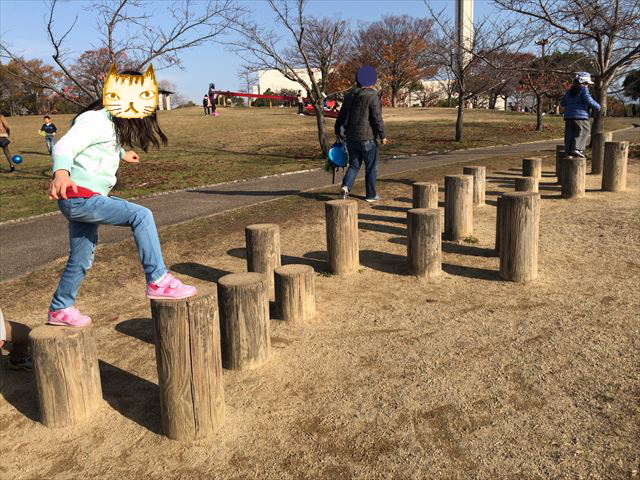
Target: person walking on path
<point x="360" y="121"/>
<point x="300" y="102"/>
<point x="5" y="131"/>
<point x="49" y="128"/>
<point x="85" y="162"/>
<point x="576" y="102"/>
<point x="206" y="104"/>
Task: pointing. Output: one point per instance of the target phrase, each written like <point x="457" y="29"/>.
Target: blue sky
<point x="22" y="28"/>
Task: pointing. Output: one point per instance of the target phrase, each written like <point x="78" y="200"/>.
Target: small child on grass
<point x="50" y="130"/>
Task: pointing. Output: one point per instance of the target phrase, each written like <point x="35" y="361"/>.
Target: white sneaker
<point x="578" y="153"/>
<point x="345" y="192"/>
<point x="374" y="199"/>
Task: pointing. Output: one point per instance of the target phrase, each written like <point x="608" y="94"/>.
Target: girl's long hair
<point x="575" y="88"/>
<point x="133" y="132"/>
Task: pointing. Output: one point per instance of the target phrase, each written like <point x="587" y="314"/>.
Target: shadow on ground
<point x="199" y="271"/>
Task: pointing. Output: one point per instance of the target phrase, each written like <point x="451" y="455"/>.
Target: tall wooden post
<point x="341" y="218"/>
<point x="295" y="293"/>
<point x="573" y="181"/>
<point x="187" y="337"/>
<point x="479" y="175"/>
<point x="65" y="362"/>
<point x="424" y="245"/>
<point x="520" y="218"/>
<point x="458" y="207"/>
<point x="559" y="156"/>
<point x="532" y="167"/>
<point x="598" y="140"/>
<point x="243" y="302"/>
<point x="425" y="195"/>
<point x="498" y="223"/>
<point x="526" y="184"/>
<point x="263" y="249"/>
<point x="614" y="174"/>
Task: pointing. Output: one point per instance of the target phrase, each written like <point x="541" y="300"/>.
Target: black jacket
<point x="49" y="129"/>
<point x="361" y="115"/>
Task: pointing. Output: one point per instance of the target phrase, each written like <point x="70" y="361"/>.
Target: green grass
<point x="244" y="143"/>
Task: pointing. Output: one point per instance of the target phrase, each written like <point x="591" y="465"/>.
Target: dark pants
<point x="362" y="152"/>
<point x="576" y="134"/>
<point x="206" y="110"/>
<point x="300" y="107"/>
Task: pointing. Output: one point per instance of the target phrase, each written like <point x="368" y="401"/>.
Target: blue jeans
<point x="50" y="141"/>
<point x="85" y="215"/>
<point x="359" y="152"/>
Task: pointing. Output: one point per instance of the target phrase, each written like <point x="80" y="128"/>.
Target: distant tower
<point x="464" y="29"/>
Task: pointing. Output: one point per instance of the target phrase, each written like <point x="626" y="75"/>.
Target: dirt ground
<point x="464" y="377"/>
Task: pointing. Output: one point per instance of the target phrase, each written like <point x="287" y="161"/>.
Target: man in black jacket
<point x="360" y="121"/>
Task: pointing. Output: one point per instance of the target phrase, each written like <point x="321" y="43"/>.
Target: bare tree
<point x="305" y="54"/>
<point x="488" y="41"/>
<point x="607" y="32"/>
<point x="126" y="29"/>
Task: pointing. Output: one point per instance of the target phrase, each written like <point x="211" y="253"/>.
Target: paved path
<point x="30" y="244"/>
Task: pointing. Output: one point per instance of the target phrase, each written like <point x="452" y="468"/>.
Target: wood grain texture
<point x="532" y="167"/>
<point x="263" y="249"/>
<point x="498" y="224"/>
<point x="559" y="156"/>
<point x="424" y="243"/>
<point x="526" y="184"/>
<point x="243" y="303"/>
<point x="341" y="217"/>
<point x="295" y="293"/>
<point x="598" y="140"/>
<point x="573" y="180"/>
<point x="187" y="338"/>
<point x="520" y="219"/>
<point x="479" y="175"/>
<point x="614" y="172"/>
<point x="425" y="195"/>
<point x="65" y="361"/>
<point x="458" y="207"/>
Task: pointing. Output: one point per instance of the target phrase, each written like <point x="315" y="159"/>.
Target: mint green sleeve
<point x="122" y="152"/>
<point x="83" y="133"/>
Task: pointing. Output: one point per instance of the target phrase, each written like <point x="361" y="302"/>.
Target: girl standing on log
<point x="576" y="102"/>
<point x="85" y="162"/>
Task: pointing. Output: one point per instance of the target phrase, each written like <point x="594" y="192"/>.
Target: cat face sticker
<point x="130" y="96"/>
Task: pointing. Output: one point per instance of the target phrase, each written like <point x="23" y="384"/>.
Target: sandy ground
<point x="464" y="377"/>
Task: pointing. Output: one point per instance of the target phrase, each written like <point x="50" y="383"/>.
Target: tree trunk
<point x="601" y="97"/>
<point x="460" y="117"/>
<point x="322" y="134"/>
<point x="394" y="97"/>
<point x="449" y="95"/>
<point x="538" y="112"/>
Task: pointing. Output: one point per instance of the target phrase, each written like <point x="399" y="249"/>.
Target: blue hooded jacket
<point x="576" y="107"/>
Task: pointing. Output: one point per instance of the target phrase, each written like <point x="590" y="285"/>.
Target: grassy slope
<point x="244" y="143"/>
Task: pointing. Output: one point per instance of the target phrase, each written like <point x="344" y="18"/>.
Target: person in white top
<point x="18" y="335"/>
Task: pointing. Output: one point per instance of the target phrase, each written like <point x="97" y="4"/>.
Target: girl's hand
<point x="59" y="185"/>
<point x="131" y="157"/>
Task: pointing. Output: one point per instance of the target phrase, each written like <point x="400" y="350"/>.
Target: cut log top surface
<point x="45" y="332"/>
<point x="424" y="211"/>
<point x="241" y="279"/>
<point x="341" y="203"/>
<point x="424" y="184"/>
<point x="520" y="194"/>
<point x="293" y="269"/>
<point x="194" y="299"/>
<point x="533" y="158"/>
<point x="473" y="168"/>
<point x="261" y="226"/>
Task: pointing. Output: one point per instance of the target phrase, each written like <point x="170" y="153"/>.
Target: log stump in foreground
<point x="187" y="337"/>
<point x="263" y="249"/>
<point x="532" y="167"/>
<point x="295" y="293"/>
<point x="520" y="218"/>
<point x="526" y="184"/>
<point x="458" y="207"/>
<point x="479" y="175"/>
<point x="65" y="361"/>
<point x="424" y="244"/>
<point x="559" y="157"/>
<point x="573" y="181"/>
<point x="598" y="140"/>
<point x="341" y="218"/>
<point x="243" y="302"/>
<point x="614" y="173"/>
<point x="425" y="195"/>
<point x="498" y="223"/>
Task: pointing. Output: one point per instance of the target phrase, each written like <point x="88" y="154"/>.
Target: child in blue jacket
<point x="576" y="102"/>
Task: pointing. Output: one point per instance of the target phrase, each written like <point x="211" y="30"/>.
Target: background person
<point x="576" y="102"/>
<point x="18" y="335"/>
<point x="361" y="120"/>
<point x="300" y="102"/>
<point x="206" y="104"/>
<point x="5" y="131"/>
<point x="50" y="129"/>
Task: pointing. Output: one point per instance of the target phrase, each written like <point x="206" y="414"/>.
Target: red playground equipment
<point x="329" y="111"/>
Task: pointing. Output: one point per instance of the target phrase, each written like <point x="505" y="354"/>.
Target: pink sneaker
<point x="68" y="317"/>
<point x="169" y="288"/>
